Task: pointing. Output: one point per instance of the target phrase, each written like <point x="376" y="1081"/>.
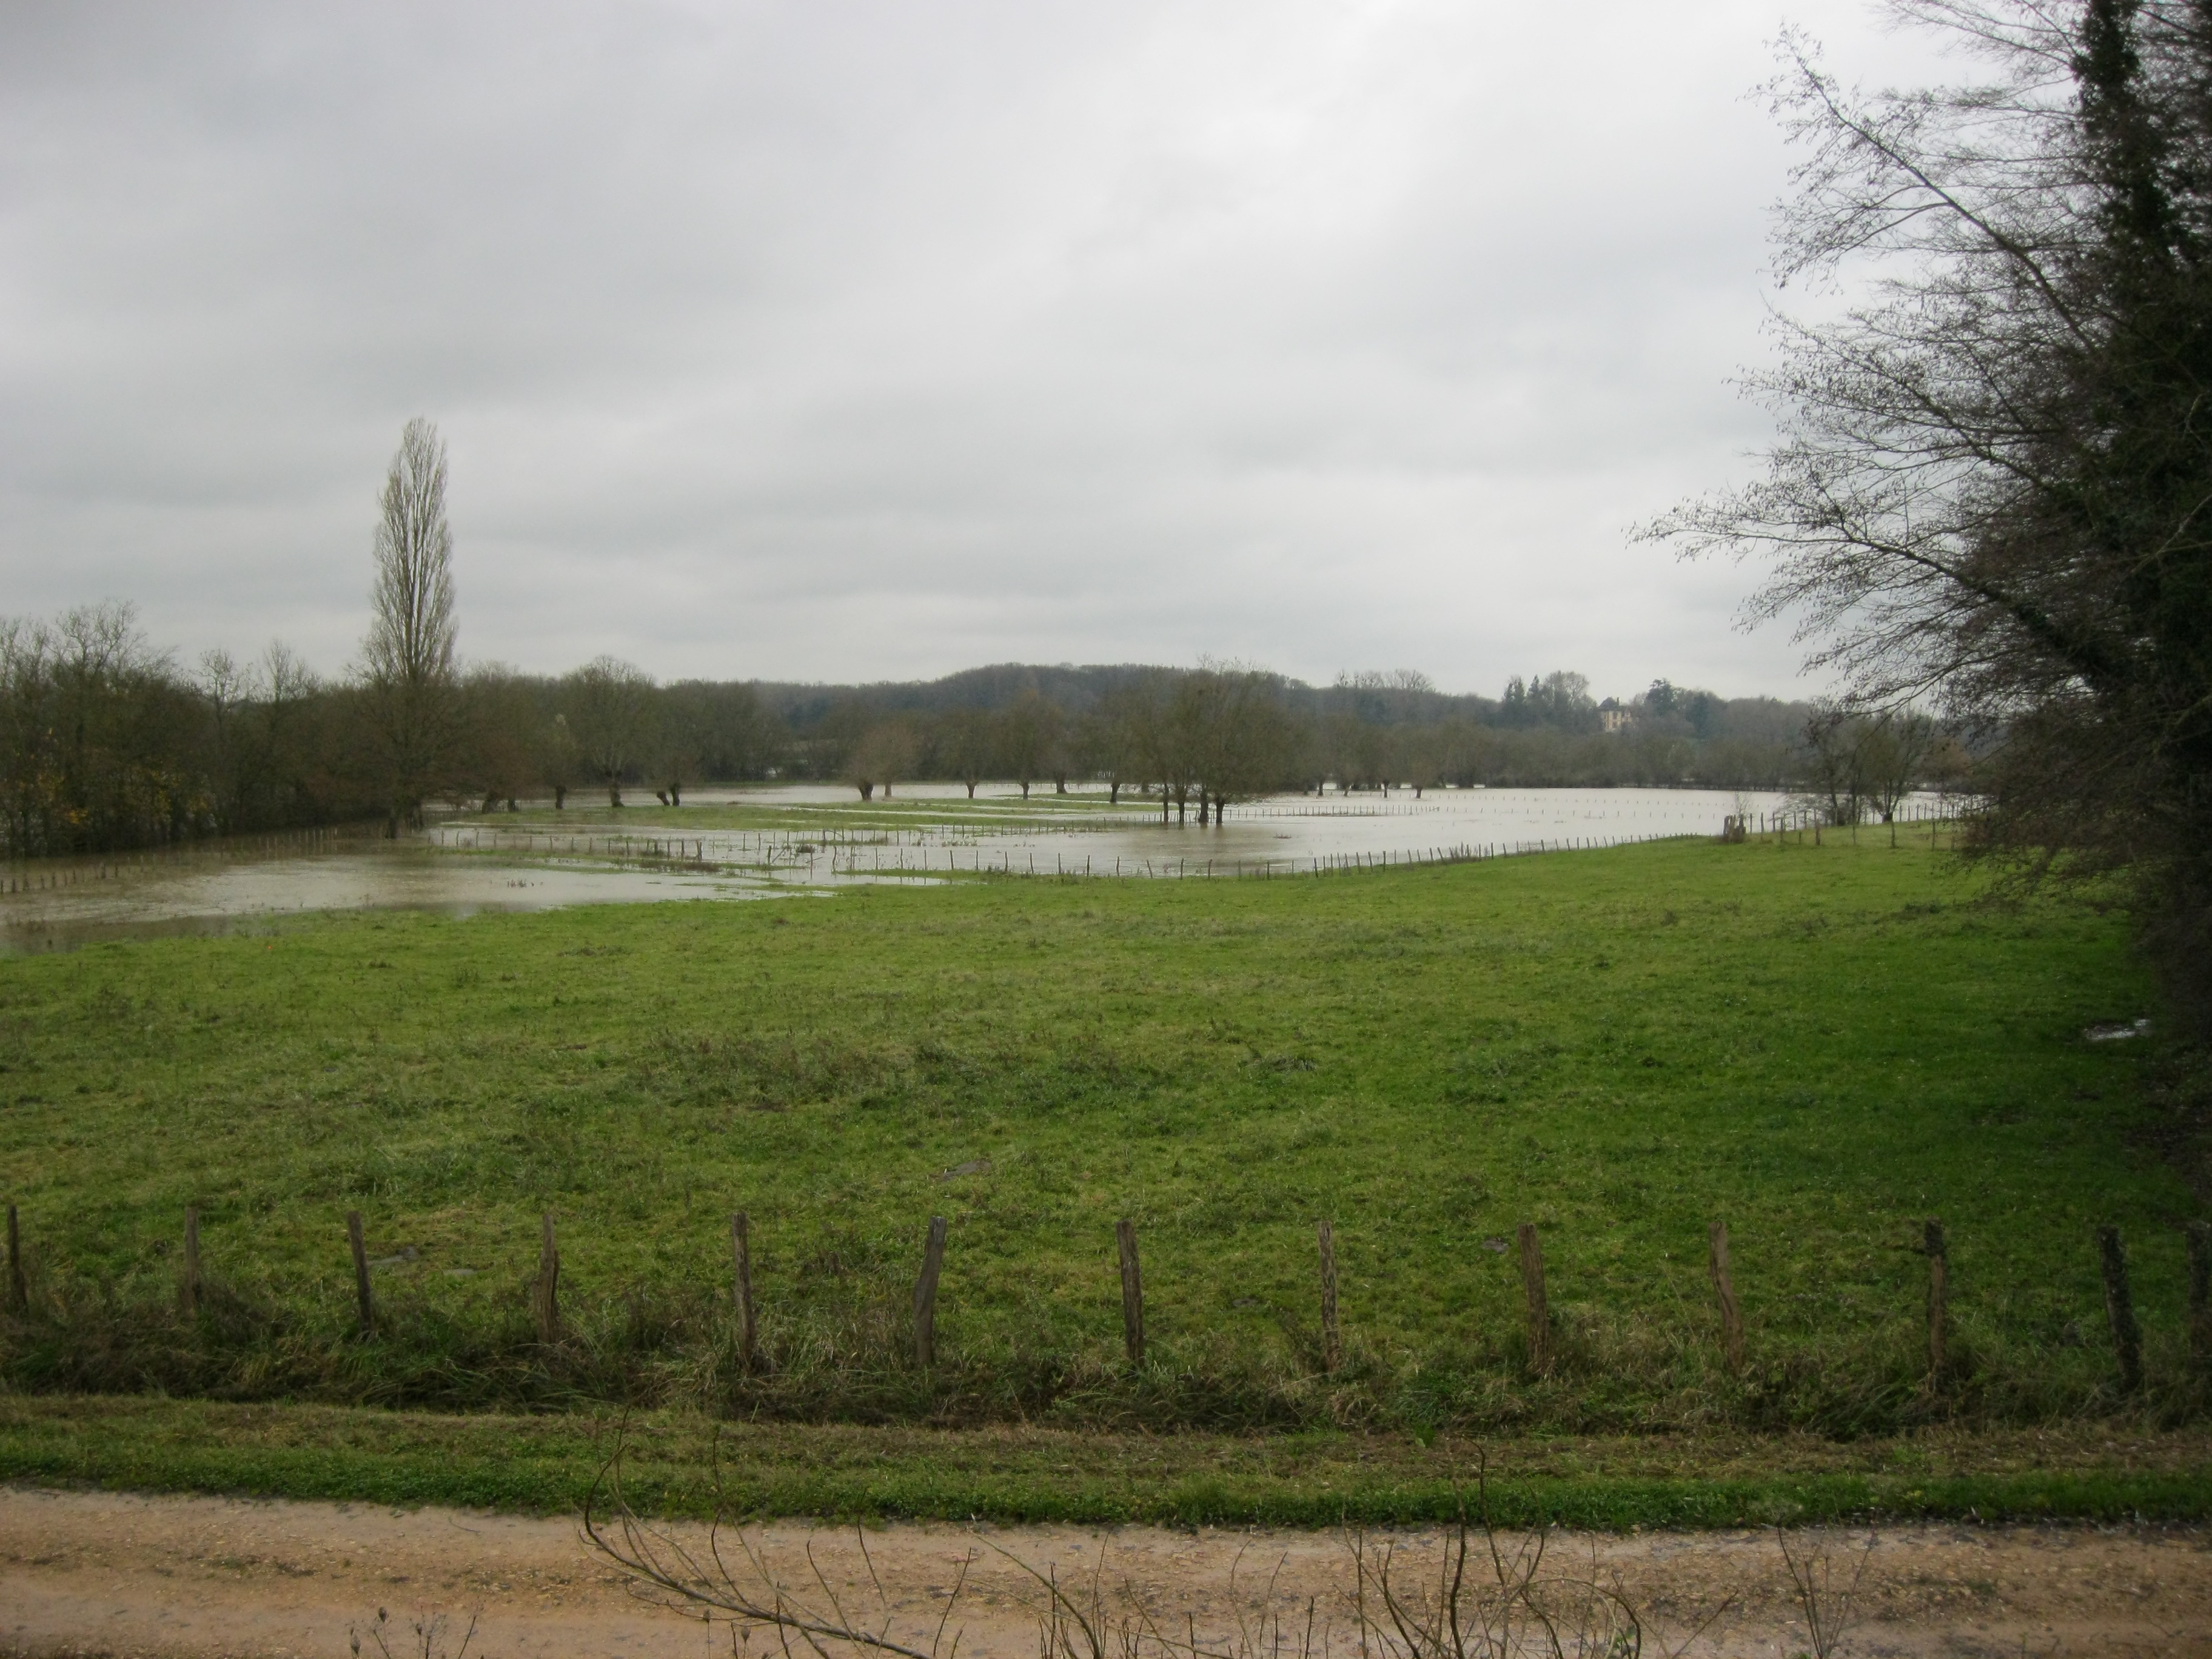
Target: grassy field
<point x="1820" y="1045"/>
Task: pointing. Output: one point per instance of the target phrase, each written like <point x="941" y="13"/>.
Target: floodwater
<point x="999" y="831"/>
<point x="469" y="865"/>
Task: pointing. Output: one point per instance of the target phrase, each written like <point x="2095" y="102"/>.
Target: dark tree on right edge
<point x="1992" y="486"/>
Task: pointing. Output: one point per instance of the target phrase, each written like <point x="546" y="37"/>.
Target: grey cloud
<point x="855" y="341"/>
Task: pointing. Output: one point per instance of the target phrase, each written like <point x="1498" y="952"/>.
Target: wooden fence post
<point x="1939" y="1290"/>
<point x="19" y="1295"/>
<point x="2120" y="1309"/>
<point x="1532" y="1283"/>
<point x="925" y="1295"/>
<point x="2200" y="1289"/>
<point x="1132" y="1293"/>
<point x="188" y="1286"/>
<point x="361" y="1290"/>
<point x="547" y="1294"/>
<point x="741" y="1289"/>
<point x="1724" y="1289"/>
<point x="1332" y="1340"/>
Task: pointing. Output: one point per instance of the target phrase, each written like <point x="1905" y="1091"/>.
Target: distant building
<point x="1612" y="716"/>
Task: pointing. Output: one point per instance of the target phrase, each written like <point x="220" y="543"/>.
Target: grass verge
<point x="546" y="1464"/>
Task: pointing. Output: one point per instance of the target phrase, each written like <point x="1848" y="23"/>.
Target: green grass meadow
<point x="678" y="1463"/>
<point x="1821" y="1045"/>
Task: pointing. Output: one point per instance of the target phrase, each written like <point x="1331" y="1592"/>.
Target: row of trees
<point x="1213" y="735"/>
<point x="107" y="744"/>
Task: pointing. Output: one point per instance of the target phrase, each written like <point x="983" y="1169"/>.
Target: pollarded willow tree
<point x="408" y="668"/>
<point x="608" y="709"/>
<point x="1992" y="484"/>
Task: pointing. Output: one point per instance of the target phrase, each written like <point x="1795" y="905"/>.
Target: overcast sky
<point x="859" y="341"/>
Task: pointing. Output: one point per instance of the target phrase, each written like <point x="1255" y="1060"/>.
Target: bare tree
<point x="499" y="760"/>
<point x="884" y="754"/>
<point x="1835" y="777"/>
<point x="407" y="662"/>
<point x="559" y="754"/>
<point x="27" y="650"/>
<point x="679" y="741"/>
<point x="1991" y="484"/>
<point x="1169" y="712"/>
<point x="609" y="714"/>
<point x="1243" y="735"/>
<point x="1028" y="737"/>
<point x="965" y="741"/>
<point x="226" y="688"/>
<point x="294" y="757"/>
<point x="1419" y="757"/>
<point x="1109" y="740"/>
<point x="1896" y="746"/>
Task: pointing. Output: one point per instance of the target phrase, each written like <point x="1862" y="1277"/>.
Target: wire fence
<point x="842" y="852"/>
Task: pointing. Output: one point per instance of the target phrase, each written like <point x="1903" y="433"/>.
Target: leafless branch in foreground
<point x="429" y="1629"/>
<point x="731" y="1580"/>
<point x="1494" y="1595"/>
<point x="1828" y="1601"/>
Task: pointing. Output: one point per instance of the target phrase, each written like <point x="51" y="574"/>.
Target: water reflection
<point x="823" y="839"/>
<point x="223" y="894"/>
<point x="1082" y="834"/>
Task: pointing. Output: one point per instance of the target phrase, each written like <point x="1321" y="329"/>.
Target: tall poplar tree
<point x="408" y="667"/>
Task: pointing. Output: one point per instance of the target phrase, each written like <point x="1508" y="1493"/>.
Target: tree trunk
<point x="675" y="794"/>
<point x="614" y="794"/>
<point x="560" y="797"/>
<point x="1113" y="793"/>
<point x="971" y="788"/>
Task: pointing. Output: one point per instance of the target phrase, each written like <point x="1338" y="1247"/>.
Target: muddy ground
<point x="95" y="1573"/>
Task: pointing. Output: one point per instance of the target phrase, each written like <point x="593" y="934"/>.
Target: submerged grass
<point x="1820" y="1045"/>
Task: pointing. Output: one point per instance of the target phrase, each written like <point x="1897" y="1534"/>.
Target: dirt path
<point x="85" y="1573"/>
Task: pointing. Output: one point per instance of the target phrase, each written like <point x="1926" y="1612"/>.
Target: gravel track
<point x="100" y="1573"/>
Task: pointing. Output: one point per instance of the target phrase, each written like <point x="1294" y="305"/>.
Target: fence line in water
<point x="862" y="858"/>
<point x="843" y="849"/>
<point x="41" y="875"/>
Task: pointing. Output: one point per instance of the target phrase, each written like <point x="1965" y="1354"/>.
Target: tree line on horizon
<point x="107" y="743"/>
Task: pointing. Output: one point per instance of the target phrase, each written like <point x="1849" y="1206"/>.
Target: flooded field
<point x="794" y="840"/>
